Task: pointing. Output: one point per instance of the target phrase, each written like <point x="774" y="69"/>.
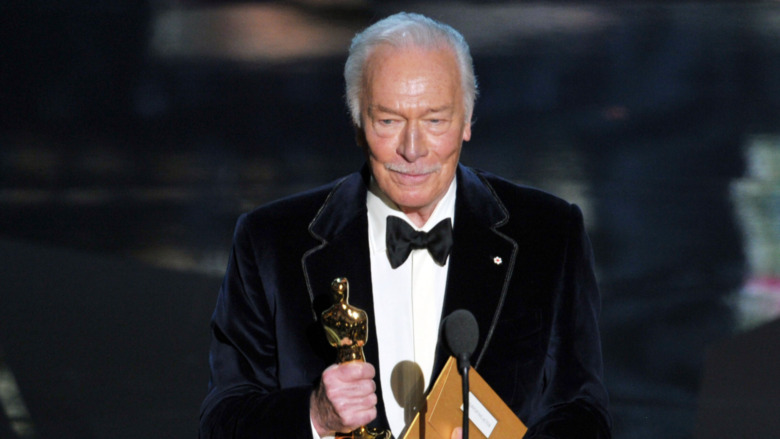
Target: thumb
<point x="457" y="433"/>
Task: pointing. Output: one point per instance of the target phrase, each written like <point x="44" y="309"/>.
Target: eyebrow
<point x="383" y="109"/>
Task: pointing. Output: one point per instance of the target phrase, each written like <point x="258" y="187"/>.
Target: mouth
<point x="412" y="171"/>
<point x="411" y="176"/>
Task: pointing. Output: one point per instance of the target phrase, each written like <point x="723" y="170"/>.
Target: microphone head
<point x="461" y="332"/>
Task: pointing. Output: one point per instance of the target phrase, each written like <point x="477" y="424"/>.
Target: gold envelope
<point x="442" y="412"/>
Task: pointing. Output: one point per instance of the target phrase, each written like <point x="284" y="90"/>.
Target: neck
<point x="420" y="216"/>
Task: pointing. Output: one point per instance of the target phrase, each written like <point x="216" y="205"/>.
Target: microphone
<point x="462" y="333"/>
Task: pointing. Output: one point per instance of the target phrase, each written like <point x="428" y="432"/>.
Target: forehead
<point x="390" y="68"/>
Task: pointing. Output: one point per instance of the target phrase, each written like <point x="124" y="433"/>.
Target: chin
<point x="409" y="202"/>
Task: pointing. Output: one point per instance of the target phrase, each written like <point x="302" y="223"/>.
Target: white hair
<point x="406" y="30"/>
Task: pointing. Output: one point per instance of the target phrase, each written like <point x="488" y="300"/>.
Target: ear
<point x="467" y="130"/>
<point x="360" y="137"/>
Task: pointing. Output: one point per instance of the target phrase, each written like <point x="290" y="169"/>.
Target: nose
<point x="412" y="145"/>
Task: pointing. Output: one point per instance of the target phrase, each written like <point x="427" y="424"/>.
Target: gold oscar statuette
<point x="347" y="330"/>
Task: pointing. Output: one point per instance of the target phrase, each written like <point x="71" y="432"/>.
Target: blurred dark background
<point x="133" y="133"/>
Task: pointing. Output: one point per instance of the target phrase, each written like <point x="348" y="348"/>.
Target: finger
<point x="336" y="388"/>
<point x="356" y="370"/>
<point x="354" y="419"/>
<point x="349" y="380"/>
<point x="345" y="404"/>
<point x="457" y="433"/>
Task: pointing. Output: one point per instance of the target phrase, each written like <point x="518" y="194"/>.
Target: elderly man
<point x="517" y="258"/>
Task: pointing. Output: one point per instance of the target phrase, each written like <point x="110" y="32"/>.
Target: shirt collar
<point x="380" y="206"/>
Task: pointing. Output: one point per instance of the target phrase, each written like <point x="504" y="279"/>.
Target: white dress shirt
<point x="407" y="309"/>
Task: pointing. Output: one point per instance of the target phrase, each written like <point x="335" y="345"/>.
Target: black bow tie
<point x="401" y="239"/>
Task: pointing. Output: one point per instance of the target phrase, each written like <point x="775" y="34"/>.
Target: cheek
<point x="378" y="170"/>
<point x="448" y="147"/>
<point x="380" y="148"/>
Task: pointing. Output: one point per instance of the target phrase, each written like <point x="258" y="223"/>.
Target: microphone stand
<point x="463" y="365"/>
<point x="462" y="334"/>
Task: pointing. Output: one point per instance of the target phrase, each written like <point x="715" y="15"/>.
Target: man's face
<point x="414" y="125"/>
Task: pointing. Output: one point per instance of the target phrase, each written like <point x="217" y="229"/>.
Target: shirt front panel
<point x="408" y="302"/>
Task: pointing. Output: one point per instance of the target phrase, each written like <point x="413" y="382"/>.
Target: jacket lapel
<point x="481" y="261"/>
<point x="341" y="226"/>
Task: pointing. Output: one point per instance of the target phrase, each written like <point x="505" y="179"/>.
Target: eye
<point x="437" y="124"/>
<point x="386" y="122"/>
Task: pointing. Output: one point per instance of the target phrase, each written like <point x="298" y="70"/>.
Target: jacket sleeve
<point x="574" y="399"/>
<point x="245" y="398"/>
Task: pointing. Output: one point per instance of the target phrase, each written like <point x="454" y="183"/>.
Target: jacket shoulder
<point x="295" y="205"/>
<point x="287" y="215"/>
<point x="522" y="200"/>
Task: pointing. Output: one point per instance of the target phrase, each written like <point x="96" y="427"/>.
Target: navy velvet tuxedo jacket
<point x="521" y="263"/>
